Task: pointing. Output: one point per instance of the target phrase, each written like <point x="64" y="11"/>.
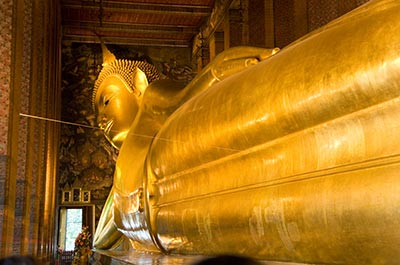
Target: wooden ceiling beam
<point x="128" y="41"/>
<point x="126" y="7"/>
<point x="131" y="27"/>
<point x="158" y="23"/>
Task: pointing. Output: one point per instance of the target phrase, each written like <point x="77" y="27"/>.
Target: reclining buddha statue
<point x="289" y="155"/>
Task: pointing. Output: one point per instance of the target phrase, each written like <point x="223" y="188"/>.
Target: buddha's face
<point x="117" y="106"/>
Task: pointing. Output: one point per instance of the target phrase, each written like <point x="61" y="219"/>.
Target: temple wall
<point x="294" y="19"/>
<point x="5" y="66"/>
<point x="28" y="86"/>
<point x="277" y="23"/>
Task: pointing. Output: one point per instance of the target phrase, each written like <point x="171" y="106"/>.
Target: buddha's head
<point x="117" y="94"/>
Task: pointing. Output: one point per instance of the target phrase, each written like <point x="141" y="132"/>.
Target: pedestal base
<point x="102" y="257"/>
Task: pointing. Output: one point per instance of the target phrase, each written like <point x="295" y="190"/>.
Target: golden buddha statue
<point x="290" y="157"/>
<point x="130" y="108"/>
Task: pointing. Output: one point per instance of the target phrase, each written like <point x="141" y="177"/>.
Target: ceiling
<point x="172" y="23"/>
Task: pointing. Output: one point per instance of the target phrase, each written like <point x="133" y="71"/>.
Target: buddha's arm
<point x="107" y="236"/>
<point x="225" y="64"/>
<point x="317" y="80"/>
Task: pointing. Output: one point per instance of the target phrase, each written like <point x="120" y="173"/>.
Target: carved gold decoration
<point x="75" y="194"/>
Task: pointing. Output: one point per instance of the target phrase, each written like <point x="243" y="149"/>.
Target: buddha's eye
<point x="107" y="99"/>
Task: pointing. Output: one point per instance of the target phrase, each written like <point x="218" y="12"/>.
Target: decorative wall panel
<point x="23" y="127"/>
<point x="257" y="23"/>
<point x="27" y="83"/>
<point x="320" y="12"/>
<point x="5" y="66"/>
<point x="5" y="73"/>
<point x="284" y="22"/>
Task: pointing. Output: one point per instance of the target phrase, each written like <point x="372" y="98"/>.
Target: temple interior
<point x="57" y="168"/>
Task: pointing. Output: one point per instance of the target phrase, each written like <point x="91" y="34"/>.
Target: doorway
<point x="71" y="220"/>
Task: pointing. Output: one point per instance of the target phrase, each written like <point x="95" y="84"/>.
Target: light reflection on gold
<point x="307" y="158"/>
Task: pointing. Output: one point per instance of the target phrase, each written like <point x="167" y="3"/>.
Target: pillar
<point x="29" y="84"/>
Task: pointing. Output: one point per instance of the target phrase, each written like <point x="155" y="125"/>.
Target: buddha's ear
<point x="140" y="81"/>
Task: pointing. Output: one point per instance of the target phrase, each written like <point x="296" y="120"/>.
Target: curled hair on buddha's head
<point x="125" y="70"/>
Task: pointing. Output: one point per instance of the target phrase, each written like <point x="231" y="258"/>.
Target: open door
<point x="71" y="220"/>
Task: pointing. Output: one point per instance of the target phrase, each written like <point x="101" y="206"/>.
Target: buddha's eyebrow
<point x="105" y="95"/>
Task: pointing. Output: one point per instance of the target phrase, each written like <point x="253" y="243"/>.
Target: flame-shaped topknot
<point x="108" y="56"/>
